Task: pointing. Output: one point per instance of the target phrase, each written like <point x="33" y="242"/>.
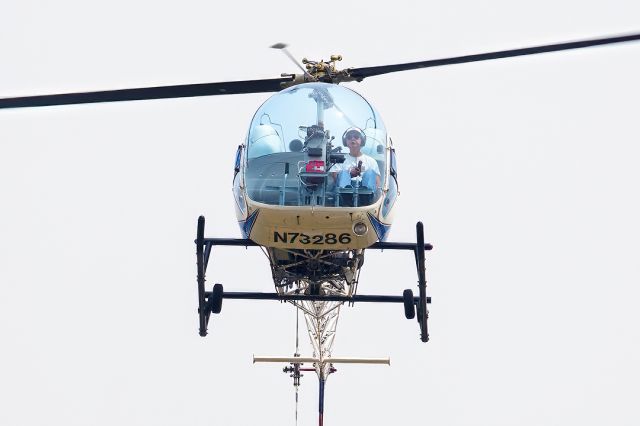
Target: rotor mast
<point x="326" y="72"/>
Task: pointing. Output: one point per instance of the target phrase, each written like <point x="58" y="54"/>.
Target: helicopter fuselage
<point x="287" y="195"/>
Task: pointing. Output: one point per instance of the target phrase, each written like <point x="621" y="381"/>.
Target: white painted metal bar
<point x="292" y="359"/>
<point x="348" y="360"/>
<point x="332" y="360"/>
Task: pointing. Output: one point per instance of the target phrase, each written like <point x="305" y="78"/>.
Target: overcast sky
<point x="524" y="172"/>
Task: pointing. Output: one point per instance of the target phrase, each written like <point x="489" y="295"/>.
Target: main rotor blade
<point x="361" y="73"/>
<point x="145" y="93"/>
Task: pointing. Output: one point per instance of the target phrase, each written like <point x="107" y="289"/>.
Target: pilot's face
<point x="353" y="141"/>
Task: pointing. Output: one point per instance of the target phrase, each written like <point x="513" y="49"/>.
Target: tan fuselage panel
<point x="313" y="228"/>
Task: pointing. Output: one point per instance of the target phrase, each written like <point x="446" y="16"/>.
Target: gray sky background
<point x="524" y="171"/>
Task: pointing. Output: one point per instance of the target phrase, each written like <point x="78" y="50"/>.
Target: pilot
<point x="357" y="167"/>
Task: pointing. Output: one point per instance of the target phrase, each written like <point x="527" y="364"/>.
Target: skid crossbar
<point x="243" y="242"/>
<point x="331" y="298"/>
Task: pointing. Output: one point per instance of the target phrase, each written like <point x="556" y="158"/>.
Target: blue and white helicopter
<point x="315" y="184"/>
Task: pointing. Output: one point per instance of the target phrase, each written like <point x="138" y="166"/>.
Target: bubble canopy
<point x="294" y="147"/>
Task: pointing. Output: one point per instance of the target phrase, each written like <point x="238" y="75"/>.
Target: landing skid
<point x="211" y="301"/>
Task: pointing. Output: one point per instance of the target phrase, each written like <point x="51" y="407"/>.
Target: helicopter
<point x="288" y="185"/>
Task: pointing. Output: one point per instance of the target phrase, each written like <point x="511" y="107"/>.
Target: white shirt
<point x="351" y="162"/>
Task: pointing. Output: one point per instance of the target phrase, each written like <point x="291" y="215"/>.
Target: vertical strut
<point x="202" y="312"/>
<point x="296" y="369"/>
<point x="423" y="313"/>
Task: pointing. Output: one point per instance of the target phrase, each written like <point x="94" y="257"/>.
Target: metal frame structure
<point x="317" y="283"/>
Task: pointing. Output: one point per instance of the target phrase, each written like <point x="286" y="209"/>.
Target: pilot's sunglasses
<point x="353" y="136"/>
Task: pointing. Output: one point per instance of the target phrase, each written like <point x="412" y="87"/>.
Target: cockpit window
<point x="297" y="155"/>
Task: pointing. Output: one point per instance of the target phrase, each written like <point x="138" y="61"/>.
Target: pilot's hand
<point x="357" y="170"/>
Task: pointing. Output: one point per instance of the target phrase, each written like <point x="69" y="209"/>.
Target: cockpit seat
<point x="264" y="140"/>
